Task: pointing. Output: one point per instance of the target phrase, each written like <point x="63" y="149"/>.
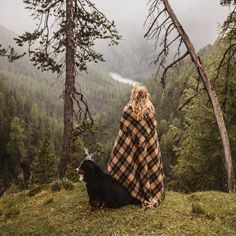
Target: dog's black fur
<point x="103" y="190"/>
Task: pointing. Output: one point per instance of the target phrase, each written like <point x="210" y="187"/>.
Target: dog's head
<point x="87" y="170"/>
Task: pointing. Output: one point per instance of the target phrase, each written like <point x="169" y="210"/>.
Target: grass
<point x="65" y="213"/>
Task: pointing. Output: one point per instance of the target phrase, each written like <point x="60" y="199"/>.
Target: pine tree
<point x="200" y="166"/>
<point x="65" y="46"/>
<point x="16" y="147"/>
<point x="77" y="157"/>
<point x="43" y="167"/>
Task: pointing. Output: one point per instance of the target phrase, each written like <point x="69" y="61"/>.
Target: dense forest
<point x="31" y="118"/>
<point x="31" y="123"/>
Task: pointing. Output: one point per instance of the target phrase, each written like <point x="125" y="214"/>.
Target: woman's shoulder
<point x="128" y="110"/>
<point x="151" y="118"/>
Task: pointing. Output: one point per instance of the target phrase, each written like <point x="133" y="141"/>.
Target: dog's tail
<point x="88" y="155"/>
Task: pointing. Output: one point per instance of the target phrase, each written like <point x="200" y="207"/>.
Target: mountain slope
<point x="97" y="85"/>
<point x="65" y="213"/>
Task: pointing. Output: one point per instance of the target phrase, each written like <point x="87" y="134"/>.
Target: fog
<point x="201" y="18"/>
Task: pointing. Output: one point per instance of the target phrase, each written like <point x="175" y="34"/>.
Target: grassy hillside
<point x="65" y="213"/>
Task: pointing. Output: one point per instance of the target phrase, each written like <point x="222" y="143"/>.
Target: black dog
<point x="103" y="190"/>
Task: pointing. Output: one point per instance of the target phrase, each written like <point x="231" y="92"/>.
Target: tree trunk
<point x="212" y="95"/>
<point x="69" y="89"/>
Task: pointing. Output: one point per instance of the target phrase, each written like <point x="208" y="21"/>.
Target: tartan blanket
<point x="136" y="159"/>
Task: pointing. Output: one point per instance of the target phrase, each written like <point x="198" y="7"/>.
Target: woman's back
<point x="136" y="158"/>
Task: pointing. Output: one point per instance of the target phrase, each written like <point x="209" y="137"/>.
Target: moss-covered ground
<point x="66" y="213"/>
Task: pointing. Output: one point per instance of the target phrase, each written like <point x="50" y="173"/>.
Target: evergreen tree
<point x="77" y="157"/>
<point x="16" y="147"/>
<point x="67" y="43"/>
<point x="22" y="125"/>
<point x="199" y="165"/>
<point x="43" y="167"/>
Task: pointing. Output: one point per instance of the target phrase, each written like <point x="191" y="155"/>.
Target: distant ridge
<point x="6" y="36"/>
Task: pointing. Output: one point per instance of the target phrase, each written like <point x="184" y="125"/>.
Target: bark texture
<point x="68" y="93"/>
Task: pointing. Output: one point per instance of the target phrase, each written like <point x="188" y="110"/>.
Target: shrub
<point x="58" y="185"/>
<point x="11" y="212"/>
<point x="67" y="184"/>
<point x="12" y="189"/>
<point x="35" y="191"/>
<point x="197" y="208"/>
<point x="48" y="201"/>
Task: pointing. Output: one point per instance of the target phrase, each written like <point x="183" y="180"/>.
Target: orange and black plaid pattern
<point x="136" y="159"/>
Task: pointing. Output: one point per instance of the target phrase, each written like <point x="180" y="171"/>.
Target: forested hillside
<point x="24" y="129"/>
<point x="31" y="117"/>
<point x="189" y="138"/>
<point x="29" y="92"/>
<point x="132" y="60"/>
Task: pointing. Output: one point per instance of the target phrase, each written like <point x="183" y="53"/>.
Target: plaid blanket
<point x="136" y="159"/>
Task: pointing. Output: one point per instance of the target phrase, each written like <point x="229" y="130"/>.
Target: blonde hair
<point x="140" y="102"/>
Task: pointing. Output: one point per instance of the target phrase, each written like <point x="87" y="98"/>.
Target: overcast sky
<point x="201" y="18"/>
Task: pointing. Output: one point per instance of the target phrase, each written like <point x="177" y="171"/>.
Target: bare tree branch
<point x="190" y="99"/>
<point x="223" y="62"/>
<point x="170" y="66"/>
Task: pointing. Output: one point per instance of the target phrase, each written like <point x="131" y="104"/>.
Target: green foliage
<point x="228" y="32"/>
<point x="44" y="165"/>
<point x="170" y="139"/>
<point x="10" y="53"/>
<point x="200" y="164"/>
<point x="35" y="190"/>
<point x="38" y="104"/>
<point x="76" y="157"/>
<point x="58" y="185"/>
<point x="89" y="24"/>
<point x="100" y="89"/>
<point x="10" y="213"/>
<point x="22" y="127"/>
<point x="67" y="184"/>
<point x="16" y="148"/>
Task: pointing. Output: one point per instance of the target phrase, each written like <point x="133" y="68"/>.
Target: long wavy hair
<point x="140" y="102"/>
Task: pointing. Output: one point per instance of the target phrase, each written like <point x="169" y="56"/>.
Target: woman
<point x="136" y="158"/>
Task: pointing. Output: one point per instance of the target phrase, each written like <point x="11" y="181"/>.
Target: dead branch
<point x="170" y="66"/>
<point x="83" y="114"/>
<point x="155" y="20"/>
